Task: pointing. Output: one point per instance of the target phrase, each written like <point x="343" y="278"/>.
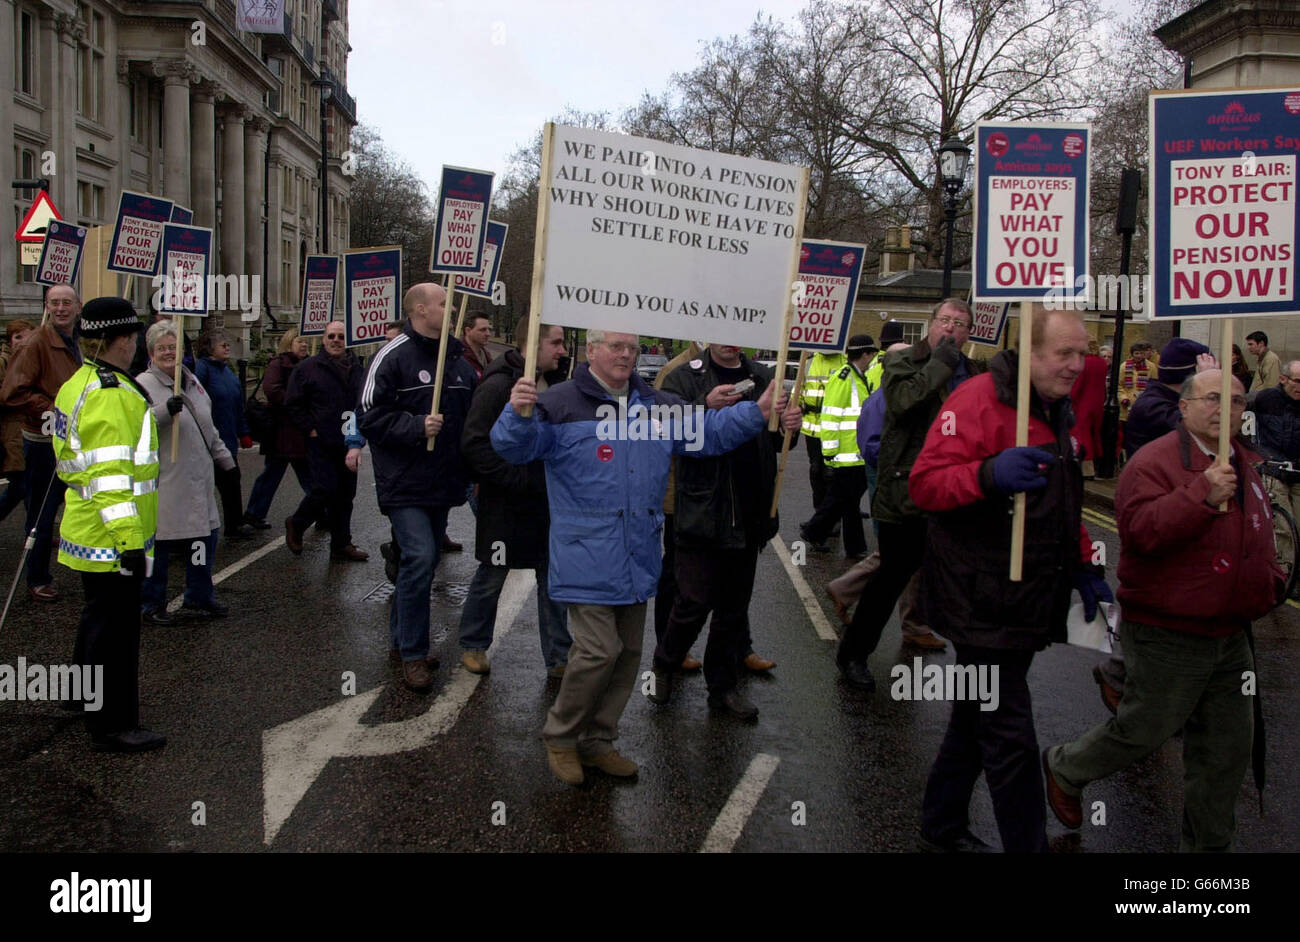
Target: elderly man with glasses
<point x="322" y="400"/>
<point x="1196" y="567"/>
<point x="1277" y="423"/>
<point x="607" y="440"/>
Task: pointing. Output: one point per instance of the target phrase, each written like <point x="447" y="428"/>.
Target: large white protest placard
<point x="643" y="237"/>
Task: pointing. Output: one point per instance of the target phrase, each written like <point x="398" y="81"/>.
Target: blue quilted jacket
<point x="607" y="494"/>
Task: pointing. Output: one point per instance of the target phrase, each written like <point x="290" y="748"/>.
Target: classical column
<point x="63" y="137"/>
<point x="254" y="178"/>
<point x="203" y="155"/>
<point x="177" y="75"/>
<point x="232" y="191"/>
<point x="274" y="215"/>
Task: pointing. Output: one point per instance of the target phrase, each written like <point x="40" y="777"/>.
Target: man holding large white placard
<point x="607" y="439"/>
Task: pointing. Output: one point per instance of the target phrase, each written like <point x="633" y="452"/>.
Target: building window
<point x="302" y="105"/>
<point x="90" y="65"/>
<point x="25" y="52"/>
<point x="913" y="331"/>
<point x="288" y="289"/>
<point x="138" y="106"/>
<point x="90" y="203"/>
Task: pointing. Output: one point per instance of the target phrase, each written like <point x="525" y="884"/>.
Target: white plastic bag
<point x="1095" y="634"/>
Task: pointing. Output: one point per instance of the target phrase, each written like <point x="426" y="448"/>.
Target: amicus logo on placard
<point x="1034" y="142"/>
<point x="1072" y="145"/>
<point x="1292" y="103"/>
<point x="997" y="144"/>
<point x="848" y="259"/>
<point x="803" y="254"/>
<point x="1234" y="115"/>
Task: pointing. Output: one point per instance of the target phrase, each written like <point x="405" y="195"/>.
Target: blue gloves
<point x="1021" y="469"/>
<point x="1092" y="589"/>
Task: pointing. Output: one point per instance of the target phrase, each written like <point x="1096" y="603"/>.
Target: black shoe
<point x="131" y="740"/>
<point x="964" y="843"/>
<point x="213" y="609"/>
<point x="392" y="557"/>
<point x="857" y="674"/>
<point x="663" y="685"/>
<point x="241" y="532"/>
<point x="157" y="616"/>
<point x="818" y="546"/>
<point x="257" y="523"/>
<point x="735" y="703"/>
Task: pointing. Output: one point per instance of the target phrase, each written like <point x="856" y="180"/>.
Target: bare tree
<point x="389" y="205"/>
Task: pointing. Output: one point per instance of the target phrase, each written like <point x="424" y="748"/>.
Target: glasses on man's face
<point x="953" y="322"/>
<point x="1238" y="402"/>
<point x="1290" y="379"/>
<point x="617" y="347"/>
<point x="333" y="336"/>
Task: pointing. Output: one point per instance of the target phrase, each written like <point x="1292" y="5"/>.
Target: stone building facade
<point x="170" y="98"/>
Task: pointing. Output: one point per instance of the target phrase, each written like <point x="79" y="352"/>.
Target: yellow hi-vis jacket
<point x="106" y="449"/>
<point x="846" y="392"/>
<point x="821" y="367"/>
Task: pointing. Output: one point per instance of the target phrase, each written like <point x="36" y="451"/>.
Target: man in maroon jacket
<point x="1192" y="577"/>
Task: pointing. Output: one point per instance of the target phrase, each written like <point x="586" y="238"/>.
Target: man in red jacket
<point x="1192" y="578"/>
<point x="966" y="477"/>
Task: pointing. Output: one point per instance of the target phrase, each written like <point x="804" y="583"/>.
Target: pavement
<point x="288" y="730"/>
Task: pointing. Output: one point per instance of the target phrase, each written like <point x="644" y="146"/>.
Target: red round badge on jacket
<point x="605" y="452"/>
<point x="1221" y="564"/>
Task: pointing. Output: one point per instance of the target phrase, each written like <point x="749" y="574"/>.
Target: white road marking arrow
<point x="295" y="753"/>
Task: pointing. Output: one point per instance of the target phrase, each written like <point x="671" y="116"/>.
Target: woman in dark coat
<point x="288" y="447"/>
<point x="1240" y="369"/>
<point x="213" y="372"/>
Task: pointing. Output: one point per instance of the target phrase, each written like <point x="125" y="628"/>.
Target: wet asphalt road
<point x="463" y="768"/>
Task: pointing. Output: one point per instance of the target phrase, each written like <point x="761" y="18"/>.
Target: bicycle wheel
<point x="1286" y="541"/>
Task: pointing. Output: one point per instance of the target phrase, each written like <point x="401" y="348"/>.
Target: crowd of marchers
<point x="146" y="468"/>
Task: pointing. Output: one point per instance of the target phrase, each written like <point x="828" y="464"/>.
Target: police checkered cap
<point x="108" y="317"/>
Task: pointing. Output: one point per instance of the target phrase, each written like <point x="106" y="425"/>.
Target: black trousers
<point x="109" y="635"/>
<point x="714" y="580"/>
<point x="667" y="590"/>
<point x="902" y="546"/>
<point x="843" y="505"/>
<point x="333" y="488"/>
<point x="1002" y="744"/>
<point x="817" y="473"/>
<point x="230" y="492"/>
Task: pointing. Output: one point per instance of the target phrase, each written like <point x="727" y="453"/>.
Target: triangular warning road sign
<point x="37" y="219"/>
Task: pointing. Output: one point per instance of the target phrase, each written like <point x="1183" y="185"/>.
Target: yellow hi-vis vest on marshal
<point x="106" y="446"/>
<point x="821" y="367"/>
<point x="846" y="392"/>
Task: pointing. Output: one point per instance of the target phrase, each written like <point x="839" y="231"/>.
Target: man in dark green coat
<point x="916" y="382"/>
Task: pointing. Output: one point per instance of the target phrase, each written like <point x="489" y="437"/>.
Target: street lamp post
<point x="326" y="89"/>
<point x="953" y="158"/>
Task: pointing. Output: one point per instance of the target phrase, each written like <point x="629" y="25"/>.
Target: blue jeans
<point x="479" y="615"/>
<point x="419" y="532"/>
<point x="199" y="591"/>
<point x="264" y="488"/>
<point x="39" y="457"/>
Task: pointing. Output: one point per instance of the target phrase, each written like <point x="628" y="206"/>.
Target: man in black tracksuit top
<point x="721" y="520"/>
<point x="416" y="487"/>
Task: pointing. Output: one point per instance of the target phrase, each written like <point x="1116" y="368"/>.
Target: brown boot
<point x="292" y="538"/>
<point x="564" y="763"/>
<point x="416" y="675"/>
<point x="758" y="664"/>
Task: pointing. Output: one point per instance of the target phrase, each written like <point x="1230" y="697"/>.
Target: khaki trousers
<point x="603" y="665"/>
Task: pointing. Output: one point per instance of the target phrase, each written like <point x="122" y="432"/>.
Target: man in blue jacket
<point x="607" y="438"/>
<point x="416" y="488"/>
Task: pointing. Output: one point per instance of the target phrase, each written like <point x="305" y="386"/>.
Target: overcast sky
<point x="465" y="82"/>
